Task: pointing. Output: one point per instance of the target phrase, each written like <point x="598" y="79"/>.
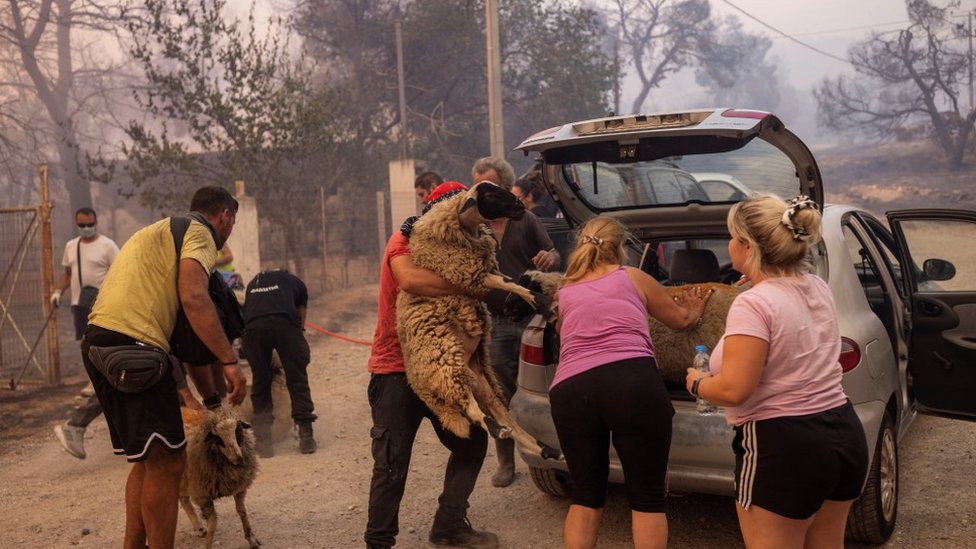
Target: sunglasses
<point x="86" y="225"/>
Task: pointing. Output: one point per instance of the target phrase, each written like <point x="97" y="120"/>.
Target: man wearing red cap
<point x="397" y="411"/>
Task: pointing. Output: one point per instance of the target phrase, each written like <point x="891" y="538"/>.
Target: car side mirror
<point x="938" y="269"/>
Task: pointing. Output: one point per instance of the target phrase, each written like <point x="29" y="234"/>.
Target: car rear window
<point x="758" y="166"/>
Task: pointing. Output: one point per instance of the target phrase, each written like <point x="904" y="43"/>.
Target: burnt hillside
<point x="895" y="176"/>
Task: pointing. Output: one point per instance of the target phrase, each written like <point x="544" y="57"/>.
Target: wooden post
<point x="47" y="272"/>
<point x="325" y="257"/>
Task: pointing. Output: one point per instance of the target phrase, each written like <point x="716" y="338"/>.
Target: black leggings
<point x="627" y="402"/>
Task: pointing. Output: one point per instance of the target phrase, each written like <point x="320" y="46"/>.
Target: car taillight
<point x="743" y="113"/>
<point x="532" y="354"/>
<point x="850" y="354"/>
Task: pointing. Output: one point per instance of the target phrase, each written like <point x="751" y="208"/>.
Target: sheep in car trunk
<point x="445" y="339"/>
<point x="673" y="349"/>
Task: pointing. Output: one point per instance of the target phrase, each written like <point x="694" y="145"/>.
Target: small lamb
<point x="220" y="462"/>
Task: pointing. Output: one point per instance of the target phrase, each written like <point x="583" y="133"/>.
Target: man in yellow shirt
<point x="138" y="303"/>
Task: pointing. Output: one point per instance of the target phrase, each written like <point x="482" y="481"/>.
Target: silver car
<point x="907" y="315"/>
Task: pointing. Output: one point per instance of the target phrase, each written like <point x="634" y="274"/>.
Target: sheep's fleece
<point x="674" y="349"/>
<point x="445" y="339"/>
<point x="220" y="462"/>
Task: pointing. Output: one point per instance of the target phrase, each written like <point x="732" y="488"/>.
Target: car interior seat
<point x="692" y="266"/>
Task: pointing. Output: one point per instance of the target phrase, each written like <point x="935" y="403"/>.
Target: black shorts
<point x="137" y="422"/>
<point x="791" y="465"/>
<point x="625" y="402"/>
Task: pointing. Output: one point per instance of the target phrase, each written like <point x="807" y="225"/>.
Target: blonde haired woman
<point x="801" y="455"/>
<point x="607" y="386"/>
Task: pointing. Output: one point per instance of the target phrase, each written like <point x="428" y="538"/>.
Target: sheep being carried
<point x="445" y="339"/>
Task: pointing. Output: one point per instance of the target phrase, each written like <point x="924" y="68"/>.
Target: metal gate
<point x="28" y="324"/>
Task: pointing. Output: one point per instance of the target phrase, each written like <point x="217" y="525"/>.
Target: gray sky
<point x="828" y="25"/>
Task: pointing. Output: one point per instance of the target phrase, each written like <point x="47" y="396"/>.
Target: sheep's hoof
<point x="201" y="532"/>
<point x="494" y="429"/>
<point x="255" y="543"/>
<point x="548" y="452"/>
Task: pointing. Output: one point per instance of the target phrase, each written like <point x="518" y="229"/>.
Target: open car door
<point x="938" y="268"/>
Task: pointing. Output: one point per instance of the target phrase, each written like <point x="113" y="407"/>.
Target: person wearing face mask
<point x="86" y="261"/>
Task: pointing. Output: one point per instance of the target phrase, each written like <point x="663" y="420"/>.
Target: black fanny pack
<point x="131" y="368"/>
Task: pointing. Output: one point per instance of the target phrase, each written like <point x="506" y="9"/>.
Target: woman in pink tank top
<point x="607" y="387"/>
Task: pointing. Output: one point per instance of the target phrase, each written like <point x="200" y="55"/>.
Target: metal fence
<point x="28" y="334"/>
<point x="24" y="356"/>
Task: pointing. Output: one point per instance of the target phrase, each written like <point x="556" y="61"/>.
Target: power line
<point x="787" y="36"/>
<point x="865" y="27"/>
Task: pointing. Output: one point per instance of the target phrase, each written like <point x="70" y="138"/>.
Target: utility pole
<point x="970" y="35"/>
<point x="616" y="73"/>
<point x="404" y="144"/>
<point x="496" y="134"/>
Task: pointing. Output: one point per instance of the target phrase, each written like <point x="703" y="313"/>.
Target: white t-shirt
<point x="802" y="375"/>
<point x="96" y="257"/>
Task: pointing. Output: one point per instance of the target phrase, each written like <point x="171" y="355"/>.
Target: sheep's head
<point x="486" y="201"/>
<point x="232" y="437"/>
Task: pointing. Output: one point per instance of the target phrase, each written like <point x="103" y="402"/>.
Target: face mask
<point x="86" y="232"/>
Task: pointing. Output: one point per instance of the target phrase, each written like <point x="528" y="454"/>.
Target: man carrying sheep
<point x="523" y="245"/>
<point x="397" y="412"/>
<point x="137" y="307"/>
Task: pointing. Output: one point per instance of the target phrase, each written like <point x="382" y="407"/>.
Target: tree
<point x="905" y="77"/>
<point x="736" y="71"/>
<point x="661" y="37"/>
<point x="57" y="71"/>
<point x="248" y="112"/>
<point x="551" y="55"/>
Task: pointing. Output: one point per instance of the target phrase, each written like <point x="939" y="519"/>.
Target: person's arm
<point x="420" y="281"/>
<point x="743" y="360"/>
<point x="547" y="258"/>
<point x="200" y="311"/>
<point x="676" y="313"/>
<point x="302" y="313"/>
<point x="64" y="280"/>
<point x="226" y="256"/>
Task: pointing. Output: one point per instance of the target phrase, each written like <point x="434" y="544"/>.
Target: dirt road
<point x="51" y="500"/>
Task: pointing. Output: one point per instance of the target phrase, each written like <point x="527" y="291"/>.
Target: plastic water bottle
<point x="700" y="363"/>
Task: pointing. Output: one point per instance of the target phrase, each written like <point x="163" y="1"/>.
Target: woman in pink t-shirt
<point x="800" y="451"/>
<point x="607" y="386"/>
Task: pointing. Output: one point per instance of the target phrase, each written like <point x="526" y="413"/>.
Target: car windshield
<point x="757" y="167"/>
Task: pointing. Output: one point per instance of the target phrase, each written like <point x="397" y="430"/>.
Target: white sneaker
<point x="72" y="439"/>
<point x="89" y="390"/>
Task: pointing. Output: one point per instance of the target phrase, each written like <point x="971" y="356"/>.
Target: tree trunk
<point x="54" y="94"/>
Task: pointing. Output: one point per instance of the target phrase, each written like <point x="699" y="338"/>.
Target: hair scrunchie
<point x="794" y="205"/>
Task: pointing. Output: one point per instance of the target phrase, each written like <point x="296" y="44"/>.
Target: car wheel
<point x="553" y="482"/>
<point x="872" y="517"/>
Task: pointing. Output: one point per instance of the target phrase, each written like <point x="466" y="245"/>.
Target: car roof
<point x="650" y="137"/>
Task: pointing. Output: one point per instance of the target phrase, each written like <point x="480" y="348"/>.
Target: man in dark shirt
<point x="275" y="304"/>
<point x="523" y="244"/>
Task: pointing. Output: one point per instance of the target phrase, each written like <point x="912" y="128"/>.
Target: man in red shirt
<point x="397" y="412"/>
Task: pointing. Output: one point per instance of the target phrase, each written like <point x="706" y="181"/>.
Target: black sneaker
<point x="463" y="536"/>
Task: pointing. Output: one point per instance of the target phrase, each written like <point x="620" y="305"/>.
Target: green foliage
<point x="553" y="70"/>
<point x="247" y="111"/>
